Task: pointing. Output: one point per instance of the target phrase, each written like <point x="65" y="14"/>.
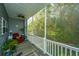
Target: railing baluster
<point x="58" y="50"/>
<point x="48" y="46"/>
<point x="61" y="51"/>
<point x="76" y="53"/>
<point x="70" y="52"/>
<point x="55" y="49"/>
<point x="65" y="51"/>
<point x="52" y="48"/>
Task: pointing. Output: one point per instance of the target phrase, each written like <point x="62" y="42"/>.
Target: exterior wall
<point x="12" y="25"/>
<point x="3" y="13"/>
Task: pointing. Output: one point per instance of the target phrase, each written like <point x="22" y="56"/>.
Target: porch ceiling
<point x="27" y="9"/>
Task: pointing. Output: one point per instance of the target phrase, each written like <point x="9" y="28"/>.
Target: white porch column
<point x="45" y="31"/>
<point x="32" y="26"/>
<point x="32" y="29"/>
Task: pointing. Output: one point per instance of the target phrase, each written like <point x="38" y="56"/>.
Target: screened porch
<point x="51" y="30"/>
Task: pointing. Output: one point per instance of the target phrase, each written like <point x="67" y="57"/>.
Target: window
<point x="29" y="26"/>
<point x="63" y="23"/>
<point x="38" y="23"/>
<point x="2" y="26"/>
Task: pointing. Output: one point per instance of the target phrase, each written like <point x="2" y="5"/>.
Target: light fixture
<point x="21" y="16"/>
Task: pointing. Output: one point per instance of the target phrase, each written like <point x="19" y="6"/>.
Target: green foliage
<point x="62" y="23"/>
<point x="65" y="25"/>
<point x="9" y="44"/>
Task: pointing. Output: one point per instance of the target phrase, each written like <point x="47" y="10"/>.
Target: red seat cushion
<point x="15" y="35"/>
<point x="20" y="40"/>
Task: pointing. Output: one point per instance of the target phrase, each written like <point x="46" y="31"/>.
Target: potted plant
<point x="9" y="47"/>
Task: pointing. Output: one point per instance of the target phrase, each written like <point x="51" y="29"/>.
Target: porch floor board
<point x="28" y="49"/>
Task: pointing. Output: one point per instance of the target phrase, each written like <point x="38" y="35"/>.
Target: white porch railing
<point x="37" y="41"/>
<point x="53" y="48"/>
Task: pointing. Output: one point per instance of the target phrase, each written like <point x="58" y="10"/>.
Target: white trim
<point x="45" y="30"/>
<point x="32" y="27"/>
<point x="2" y="25"/>
<point x="36" y="43"/>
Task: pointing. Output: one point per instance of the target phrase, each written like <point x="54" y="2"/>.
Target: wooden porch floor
<point x="28" y="49"/>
